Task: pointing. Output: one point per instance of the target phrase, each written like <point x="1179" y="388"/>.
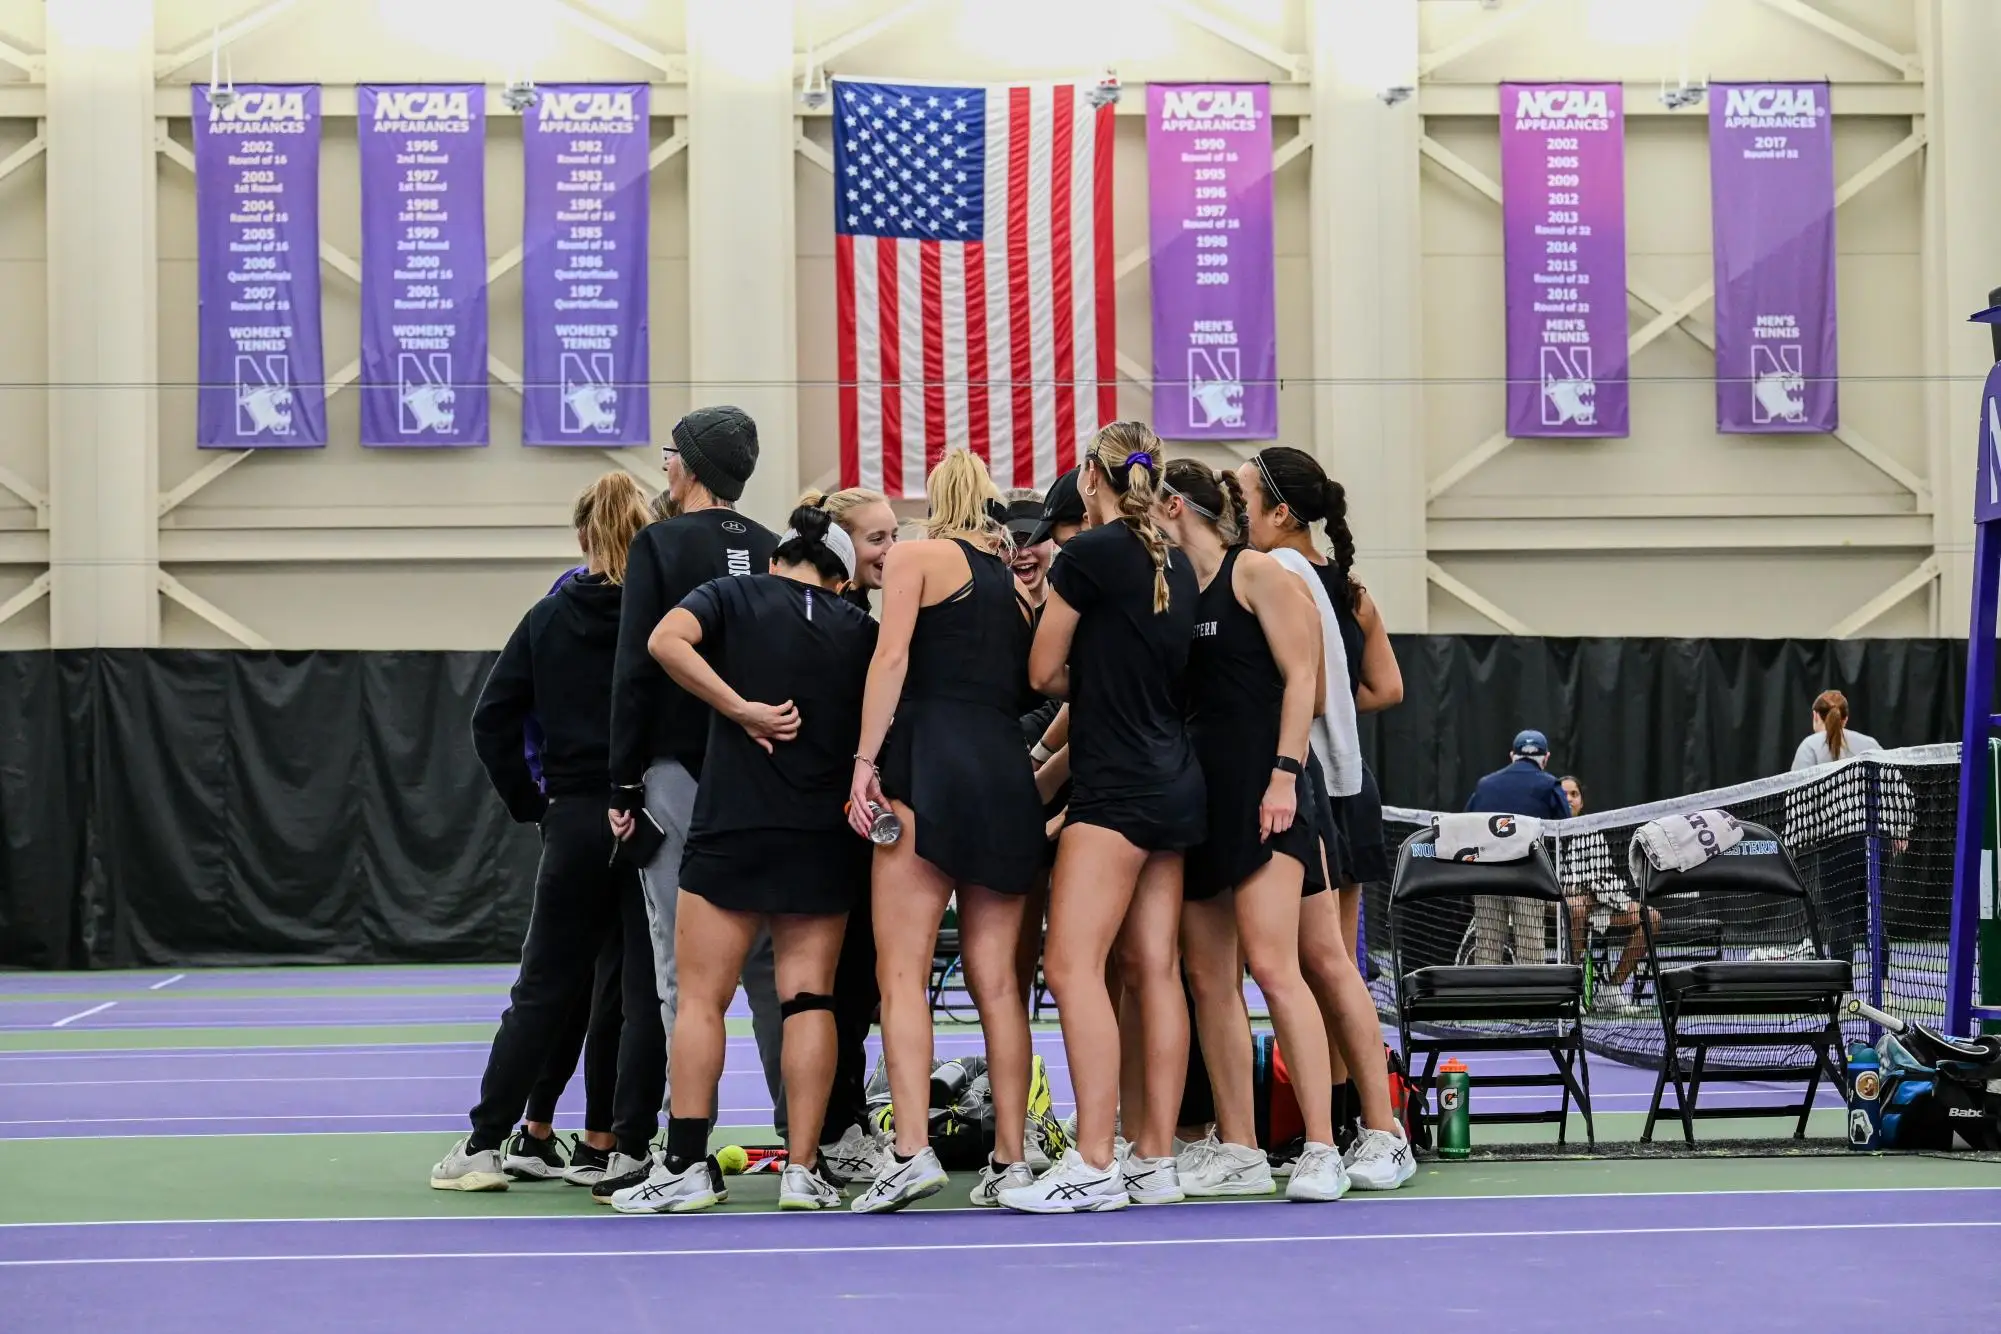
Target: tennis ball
<point x="732" y="1159"/>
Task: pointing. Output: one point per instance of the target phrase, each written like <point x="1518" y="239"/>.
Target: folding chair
<point x="1756" y="889"/>
<point x="1524" y="1005"/>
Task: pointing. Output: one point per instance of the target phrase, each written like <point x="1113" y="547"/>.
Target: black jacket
<point x="651" y="717"/>
<point x="557" y="665"/>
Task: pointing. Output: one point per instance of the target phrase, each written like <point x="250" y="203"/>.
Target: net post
<point x="1872" y="777"/>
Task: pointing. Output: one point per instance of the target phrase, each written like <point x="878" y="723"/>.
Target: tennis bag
<point x="962" y="1111"/>
<point x="1953" y="1102"/>
<point x="1277" y="1107"/>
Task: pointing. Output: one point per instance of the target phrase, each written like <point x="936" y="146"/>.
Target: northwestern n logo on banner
<point x="1992" y="457"/>
<point x="1778" y="383"/>
<point x="425" y="400"/>
<point x="1569" y="393"/>
<point x="264" y="394"/>
<point x="590" y="394"/>
<point x="1215" y="387"/>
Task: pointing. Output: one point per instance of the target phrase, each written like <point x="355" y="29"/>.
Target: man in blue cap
<point x="1523" y="788"/>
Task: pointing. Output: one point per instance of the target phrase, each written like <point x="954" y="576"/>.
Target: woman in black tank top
<point x="1253" y="684"/>
<point x="951" y="667"/>
<point x="1286" y="492"/>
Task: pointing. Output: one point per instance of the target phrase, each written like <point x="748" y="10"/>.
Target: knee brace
<point x="804" y="1001"/>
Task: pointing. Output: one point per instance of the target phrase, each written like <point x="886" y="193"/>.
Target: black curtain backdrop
<point x="190" y="807"/>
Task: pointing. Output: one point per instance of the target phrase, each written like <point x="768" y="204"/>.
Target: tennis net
<point x="1872" y="838"/>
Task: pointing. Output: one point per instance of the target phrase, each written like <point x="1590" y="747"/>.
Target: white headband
<point x="838" y="542"/>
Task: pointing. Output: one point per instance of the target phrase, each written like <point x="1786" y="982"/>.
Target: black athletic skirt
<point x="1236" y="770"/>
<point x="1171" y="818"/>
<point x="964" y="774"/>
<point x="1326" y="829"/>
<point x="1366" y="855"/>
<point x="812" y="872"/>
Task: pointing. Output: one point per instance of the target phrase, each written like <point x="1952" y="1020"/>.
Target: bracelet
<point x="869" y="762"/>
<point x="1040" y="753"/>
<point x="1286" y="764"/>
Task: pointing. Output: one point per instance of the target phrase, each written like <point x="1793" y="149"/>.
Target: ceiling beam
<point x="1479" y="602"/>
<point x="1486" y="32"/>
<point x="167" y="62"/>
<point x="1874" y="609"/>
<point x="821" y="53"/>
<point x="177" y="591"/>
<point x="1853" y="38"/>
<point x="671" y="66"/>
<point x="1294" y="66"/>
<point x="29" y="63"/>
<point x="37" y="589"/>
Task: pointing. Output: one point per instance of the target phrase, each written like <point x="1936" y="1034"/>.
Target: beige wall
<point x="1674" y="531"/>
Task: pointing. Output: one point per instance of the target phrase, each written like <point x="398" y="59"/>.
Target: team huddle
<point x="1129" y="706"/>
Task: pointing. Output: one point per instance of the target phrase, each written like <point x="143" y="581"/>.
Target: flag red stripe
<point x="1022" y="359"/>
<point x="976" y="350"/>
<point x="844" y="305"/>
<point x="1102" y="264"/>
<point x="1062" y="275"/>
<point x="931" y="286"/>
<point x="892" y="367"/>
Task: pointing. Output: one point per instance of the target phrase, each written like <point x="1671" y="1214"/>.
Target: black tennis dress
<point x="1364" y="853"/>
<point x="954" y="753"/>
<point x="1133" y="768"/>
<point x="1236" y="694"/>
<point x="769" y="832"/>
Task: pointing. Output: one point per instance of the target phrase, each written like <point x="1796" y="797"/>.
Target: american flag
<point x="973" y="258"/>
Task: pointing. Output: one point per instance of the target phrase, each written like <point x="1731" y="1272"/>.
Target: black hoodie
<point x="557" y="666"/>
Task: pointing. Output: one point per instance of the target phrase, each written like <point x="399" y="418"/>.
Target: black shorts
<point x="1365" y="857"/>
<point x="1173" y="818"/>
<point x="810" y="872"/>
<point x="1326" y="830"/>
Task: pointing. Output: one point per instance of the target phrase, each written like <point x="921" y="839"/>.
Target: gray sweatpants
<point x="670" y="800"/>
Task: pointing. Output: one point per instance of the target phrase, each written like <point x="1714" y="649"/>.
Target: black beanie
<point x="719" y="445"/>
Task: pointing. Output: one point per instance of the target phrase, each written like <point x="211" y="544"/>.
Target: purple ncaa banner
<point x="257" y="220"/>
<point x="423" y="270"/>
<point x="1771" y="176"/>
<point x="1563" y="209"/>
<point x="585" y="358"/>
<point x="1215" y="331"/>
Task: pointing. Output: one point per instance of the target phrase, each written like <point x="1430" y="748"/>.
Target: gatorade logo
<point x="573" y="106"/>
<point x="1502" y="826"/>
<point x="421" y="104"/>
<point x="1448" y="1100"/>
<point x="1868" y="1086"/>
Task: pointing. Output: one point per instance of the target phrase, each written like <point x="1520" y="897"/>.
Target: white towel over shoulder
<point x="1684" y="842"/>
<point x="1476" y="836"/>
<point x="1335" y="737"/>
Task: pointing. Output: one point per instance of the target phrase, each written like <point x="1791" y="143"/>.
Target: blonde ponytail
<point x="842" y="504"/>
<point x="1129" y="455"/>
<point x="963" y="495"/>
<point x="609" y="513"/>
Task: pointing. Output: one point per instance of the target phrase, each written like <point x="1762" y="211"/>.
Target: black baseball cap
<point x="1022" y="518"/>
<point x="1530" y="744"/>
<point x="1064" y="504"/>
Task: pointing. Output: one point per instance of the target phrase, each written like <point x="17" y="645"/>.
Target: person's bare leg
<point x="1149" y="947"/>
<point x="910" y="897"/>
<point x="806" y="951"/>
<point x="1096" y="871"/>
<point x="1351" y="916"/>
<point x="1028" y="952"/>
<point x="990" y="927"/>
<point x="1346" y="1006"/>
<point x="1267" y="918"/>
<point x="1636" y="944"/>
<point x="711" y="945"/>
<point x="1209" y="951"/>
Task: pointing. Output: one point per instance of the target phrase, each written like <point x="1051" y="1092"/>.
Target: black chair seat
<point x="1512" y="982"/>
<point x="1806" y="977"/>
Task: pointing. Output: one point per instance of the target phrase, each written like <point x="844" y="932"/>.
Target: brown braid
<point x="1137" y="489"/>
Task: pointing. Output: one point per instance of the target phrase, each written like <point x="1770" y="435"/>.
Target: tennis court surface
<point x="247" y="1150"/>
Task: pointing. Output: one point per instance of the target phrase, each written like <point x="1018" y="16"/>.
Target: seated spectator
<point x="1596" y="894"/>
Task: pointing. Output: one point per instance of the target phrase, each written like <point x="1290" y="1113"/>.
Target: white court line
<point x="224" y="1119"/>
<point x="1134" y="1243"/>
<point x="1367" y="1199"/>
<point x="82" y="1014"/>
<point x="161" y="986"/>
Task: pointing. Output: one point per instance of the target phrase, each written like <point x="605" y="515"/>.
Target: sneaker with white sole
<point x="1189" y="1155"/>
<point x="1225" y="1169"/>
<point x="622" y="1172"/>
<point x="696" y="1187"/>
<point x="858" y="1155"/>
<point x="1318" y="1176"/>
<point x="994" y="1179"/>
<point x="1151" y="1180"/>
<point x="1613" y="1002"/>
<point x="806" y="1188"/>
<point x="460" y="1170"/>
<point x="1380" y="1160"/>
<point x="902" y="1183"/>
<point x="587" y="1165"/>
<point x="531" y="1159"/>
<point x="1072" y="1186"/>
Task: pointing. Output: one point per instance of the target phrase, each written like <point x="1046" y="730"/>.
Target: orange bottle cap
<point x="1452" y="1067"/>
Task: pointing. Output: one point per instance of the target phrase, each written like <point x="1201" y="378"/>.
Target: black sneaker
<point x="532" y="1159"/>
<point x="587" y="1165"/>
<point x="621" y="1172"/>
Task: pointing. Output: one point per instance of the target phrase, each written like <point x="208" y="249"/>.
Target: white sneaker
<point x="806" y="1188"/>
<point x="1189" y="1155"/>
<point x="899" y="1184"/>
<point x="460" y="1170"/>
<point x="1380" y="1160"/>
<point x="1612" y="1001"/>
<point x="1043" y="1141"/>
<point x="1318" y="1175"/>
<point x="1073" y="1186"/>
<point x="1151" y="1180"/>
<point x="995" y="1179"/>
<point x="857" y="1156"/>
<point x="1227" y="1169"/>
<point x="699" y="1186"/>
